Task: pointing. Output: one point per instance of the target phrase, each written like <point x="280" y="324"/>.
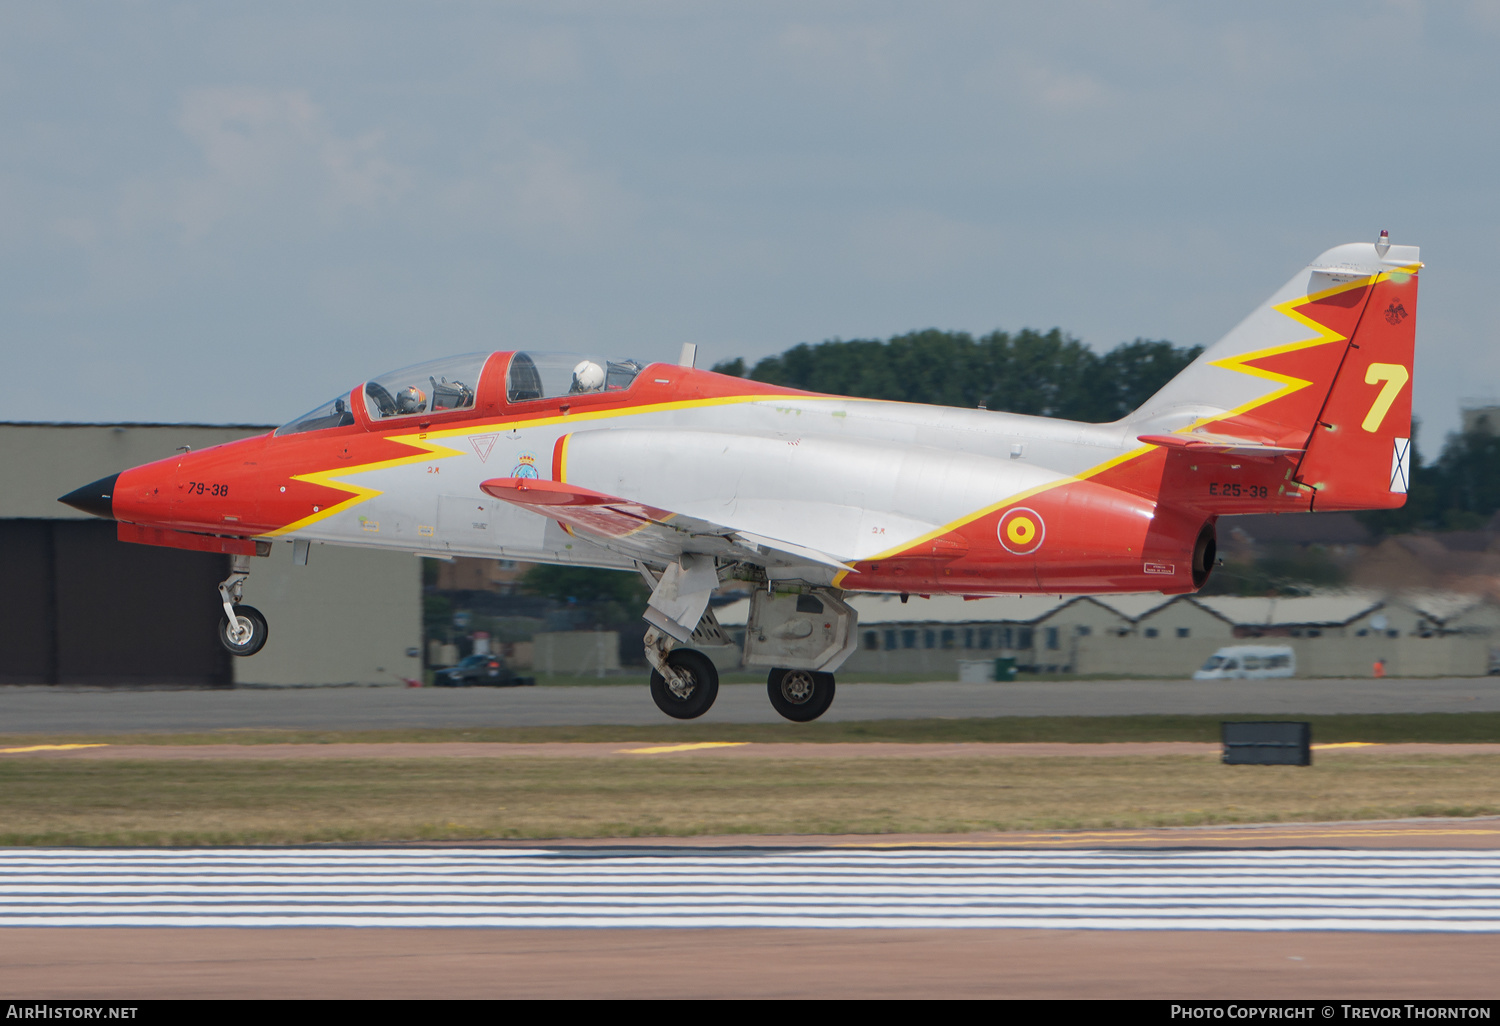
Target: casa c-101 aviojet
<point x="693" y="478"/>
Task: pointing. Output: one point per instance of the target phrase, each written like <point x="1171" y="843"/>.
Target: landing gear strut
<point x="684" y="681"/>
<point x="242" y="630"/>
<point x="692" y="690"/>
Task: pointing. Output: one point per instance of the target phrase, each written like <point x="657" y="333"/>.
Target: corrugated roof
<point x="878" y="609"/>
<point x="955" y="609"/>
<point x="1441" y="605"/>
<point x="1134" y="606"/>
<point x="1327" y="608"/>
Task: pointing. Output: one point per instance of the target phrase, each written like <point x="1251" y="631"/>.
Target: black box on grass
<point x="1274" y="743"/>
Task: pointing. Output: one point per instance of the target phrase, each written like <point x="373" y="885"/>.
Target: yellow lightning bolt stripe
<point x="359" y="493"/>
<point x="994" y="507"/>
<point x="1292" y="308"/>
<point x="330" y="478"/>
<point x="631" y="411"/>
<point x="1322" y="335"/>
<point x="1289" y="384"/>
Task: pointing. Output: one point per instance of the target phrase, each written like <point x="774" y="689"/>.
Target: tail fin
<point x="1322" y="369"/>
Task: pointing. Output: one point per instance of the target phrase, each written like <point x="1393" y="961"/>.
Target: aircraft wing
<point x="646" y="532"/>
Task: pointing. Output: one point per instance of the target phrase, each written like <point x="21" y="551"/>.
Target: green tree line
<point x="1049" y="374"/>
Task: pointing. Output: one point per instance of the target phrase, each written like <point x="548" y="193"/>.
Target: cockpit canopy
<point x="551" y="375"/>
<point x="334" y="413"/>
<point x="452" y="383"/>
<point x="439" y="386"/>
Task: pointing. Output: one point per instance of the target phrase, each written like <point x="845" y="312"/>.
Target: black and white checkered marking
<point x="1445" y="891"/>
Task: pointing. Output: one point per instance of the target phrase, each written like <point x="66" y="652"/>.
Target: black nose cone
<point x="97" y="498"/>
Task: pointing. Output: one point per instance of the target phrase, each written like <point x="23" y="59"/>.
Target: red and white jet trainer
<point x="693" y="478"/>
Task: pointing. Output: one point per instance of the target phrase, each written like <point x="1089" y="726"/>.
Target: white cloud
<point x="262" y="152"/>
<point x="544" y="194"/>
<point x="1057" y="90"/>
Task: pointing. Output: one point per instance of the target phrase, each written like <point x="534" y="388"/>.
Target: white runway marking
<point x="1443" y="891"/>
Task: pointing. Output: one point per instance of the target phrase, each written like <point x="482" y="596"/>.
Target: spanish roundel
<point x="1021" y="531"/>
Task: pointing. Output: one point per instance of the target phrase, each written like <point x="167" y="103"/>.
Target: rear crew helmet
<point x="588" y="376"/>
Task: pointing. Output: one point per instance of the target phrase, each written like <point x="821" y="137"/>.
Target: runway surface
<point x="772" y="751"/>
<point x="39" y="710"/>
<point x="1176" y="965"/>
<point x="1446" y="891"/>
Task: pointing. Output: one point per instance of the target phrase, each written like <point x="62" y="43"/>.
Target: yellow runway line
<point x="51" y="748"/>
<point x="661" y="749"/>
<point x="1349" y="744"/>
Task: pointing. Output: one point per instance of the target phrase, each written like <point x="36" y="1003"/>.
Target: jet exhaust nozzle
<point x="97" y="499"/>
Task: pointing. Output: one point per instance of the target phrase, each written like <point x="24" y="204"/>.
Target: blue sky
<point x="230" y="212"/>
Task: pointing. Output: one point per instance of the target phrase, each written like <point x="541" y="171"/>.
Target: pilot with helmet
<point x="411" y="399"/>
<point x="588" y="376"/>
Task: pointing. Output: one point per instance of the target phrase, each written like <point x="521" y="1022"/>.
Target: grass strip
<point x="213" y="802"/>
<point x="1390" y="728"/>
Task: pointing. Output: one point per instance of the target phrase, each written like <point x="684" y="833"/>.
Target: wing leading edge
<point x="649" y="533"/>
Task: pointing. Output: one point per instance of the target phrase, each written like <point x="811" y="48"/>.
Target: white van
<point x="1249" y="662"/>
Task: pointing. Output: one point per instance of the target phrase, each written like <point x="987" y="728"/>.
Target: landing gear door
<point x="812" y="631"/>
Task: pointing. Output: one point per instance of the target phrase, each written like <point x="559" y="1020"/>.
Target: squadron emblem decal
<point x="526" y="465"/>
<point x="1021" y="531"/>
<point x="1395" y="313"/>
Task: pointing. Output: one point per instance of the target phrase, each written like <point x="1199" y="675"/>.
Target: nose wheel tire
<point x="800" y="695"/>
<point x="252" y="631"/>
<point x="690" y="699"/>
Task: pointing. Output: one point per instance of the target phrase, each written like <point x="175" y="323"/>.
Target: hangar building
<point x="1334" y="634"/>
<point x="77" y="606"/>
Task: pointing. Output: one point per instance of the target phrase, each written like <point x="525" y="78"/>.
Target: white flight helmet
<point x="588" y="376"/>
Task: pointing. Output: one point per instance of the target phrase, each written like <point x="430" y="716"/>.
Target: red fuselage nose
<point x="215" y="490"/>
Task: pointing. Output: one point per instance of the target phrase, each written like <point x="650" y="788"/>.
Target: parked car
<point x="1249" y="662"/>
<point x="481" y="670"/>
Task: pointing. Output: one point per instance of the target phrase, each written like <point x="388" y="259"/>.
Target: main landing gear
<point x="242" y="629"/>
<point x="810" y="628"/>
<point x="800" y="695"/>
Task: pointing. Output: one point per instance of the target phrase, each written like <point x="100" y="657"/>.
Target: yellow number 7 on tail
<point x="1395" y="377"/>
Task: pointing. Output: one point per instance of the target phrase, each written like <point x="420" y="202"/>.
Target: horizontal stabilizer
<point x="1199" y="441"/>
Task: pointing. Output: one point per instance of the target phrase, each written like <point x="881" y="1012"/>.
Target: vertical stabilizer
<point x="1321" y="370"/>
<point x="1359" y="455"/>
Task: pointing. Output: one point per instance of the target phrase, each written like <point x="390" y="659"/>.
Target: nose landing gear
<point x="242" y="630"/>
<point x="692" y="689"/>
